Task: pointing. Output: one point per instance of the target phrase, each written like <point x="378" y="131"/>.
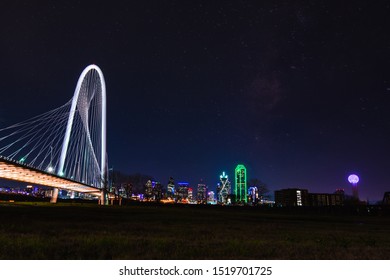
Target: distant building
<point x="211" y="197"/>
<point x="340" y="191"/>
<point x="190" y="194"/>
<point x="171" y="188"/>
<point x="291" y="197"/>
<point x="326" y="199"/>
<point x="157" y="191"/>
<point x="182" y="191"/>
<point x="386" y="198"/>
<point x="48" y="192"/>
<point x="224" y="189"/>
<point x="355" y="192"/>
<point x="253" y="195"/>
<point x="354" y="179"/>
<point x="201" y="195"/>
<point x="125" y="190"/>
<point x="241" y="184"/>
<point x="301" y="197"/>
<point x="148" y="190"/>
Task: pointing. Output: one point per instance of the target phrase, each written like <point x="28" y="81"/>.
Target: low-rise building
<point x="291" y="197"/>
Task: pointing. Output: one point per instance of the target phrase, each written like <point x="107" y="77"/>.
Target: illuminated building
<point x="126" y="190"/>
<point x="301" y="197"/>
<point x="202" y="194"/>
<point x="190" y="195"/>
<point x="157" y="191"/>
<point x="148" y="190"/>
<point x="291" y="197"/>
<point x="29" y="189"/>
<point x="211" y="197"/>
<point x="253" y="195"/>
<point x="182" y="191"/>
<point x="171" y="188"/>
<point x="223" y="189"/>
<point x="241" y="186"/>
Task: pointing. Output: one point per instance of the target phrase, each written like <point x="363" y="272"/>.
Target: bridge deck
<point x="13" y="170"/>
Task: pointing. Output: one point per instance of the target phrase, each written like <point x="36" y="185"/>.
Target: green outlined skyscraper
<point x="241" y="186"/>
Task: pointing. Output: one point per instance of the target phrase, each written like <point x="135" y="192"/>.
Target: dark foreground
<point x="36" y="230"/>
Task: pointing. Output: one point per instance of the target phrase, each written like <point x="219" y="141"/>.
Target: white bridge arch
<point x="64" y="148"/>
<point x="90" y="85"/>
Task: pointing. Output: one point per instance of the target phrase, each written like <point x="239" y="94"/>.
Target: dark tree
<point x="261" y="187"/>
<point x="128" y="187"/>
<point x="133" y="183"/>
<point x="117" y="181"/>
<point x="138" y="181"/>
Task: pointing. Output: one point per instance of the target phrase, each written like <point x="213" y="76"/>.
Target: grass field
<point x="36" y="230"/>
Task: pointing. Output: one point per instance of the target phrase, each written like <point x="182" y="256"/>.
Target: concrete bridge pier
<point x="102" y="199"/>
<point x="54" y="196"/>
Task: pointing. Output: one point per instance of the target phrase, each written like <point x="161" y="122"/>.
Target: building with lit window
<point x="148" y="190"/>
<point x="291" y="197"/>
<point x="190" y="194"/>
<point x="171" y="188"/>
<point x="182" y="191"/>
<point x="211" y="198"/>
<point x="301" y="197"/>
<point x="241" y="184"/>
<point x="201" y="195"/>
<point x="157" y="191"/>
<point x="224" y="189"/>
<point x="253" y="195"/>
<point x="326" y="199"/>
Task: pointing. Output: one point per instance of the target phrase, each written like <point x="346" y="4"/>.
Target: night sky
<point x="298" y="91"/>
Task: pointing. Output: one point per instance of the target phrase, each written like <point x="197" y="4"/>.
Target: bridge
<point x="64" y="148"/>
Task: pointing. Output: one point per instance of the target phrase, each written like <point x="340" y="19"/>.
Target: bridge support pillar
<point x="102" y="199"/>
<point x="54" y="196"/>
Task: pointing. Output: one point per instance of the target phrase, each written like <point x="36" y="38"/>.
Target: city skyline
<point x="296" y="92"/>
<point x="269" y="194"/>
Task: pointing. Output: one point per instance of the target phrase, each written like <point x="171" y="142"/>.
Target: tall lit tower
<point x="241" y="186"/>
<point x="223" y="188"/>
<point x="354" y="179"/>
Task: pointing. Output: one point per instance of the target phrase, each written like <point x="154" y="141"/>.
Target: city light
<point x="223" y="176"/>
<point x="353" y="179"/>
<point x="299" y="198"/>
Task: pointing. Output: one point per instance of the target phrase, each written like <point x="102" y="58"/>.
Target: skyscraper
<point x="211" y="197"/>
<point x="223" y="188"/>
<point x="241" y="186"/>
<point x="253" y="195"/>
<point x="171" y="189"/>
<point x="148" y="190"/>
<point x="190" y="195"/>
<point x="157" y="190"/>
<point x="182" y="191"/>
<point x="202" y="193"/>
